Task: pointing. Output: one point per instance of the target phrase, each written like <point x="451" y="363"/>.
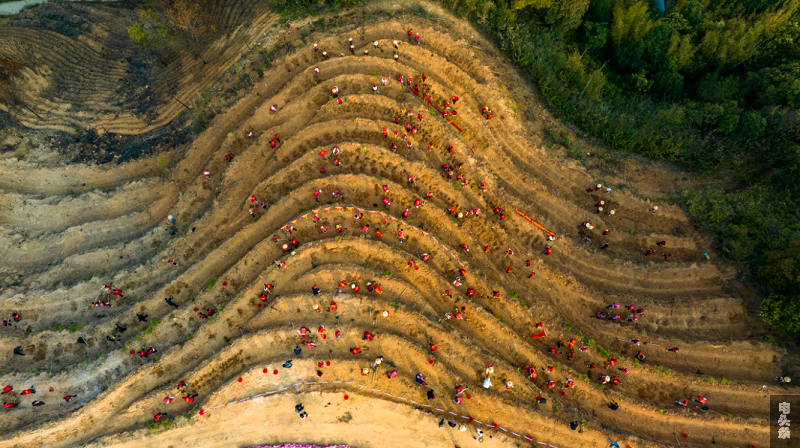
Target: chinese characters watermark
<point x="780" y="420"/>
<point x="784" y="423"/>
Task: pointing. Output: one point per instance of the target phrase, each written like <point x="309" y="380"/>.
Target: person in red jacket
<point x="10" y="405"/>
<point x="28" y="392"/>
<point x="158" y="416"/>
<point x="189" y="398"/>
<point x="7" y="389"/>
<point x="531" y="371"/>
<point x="355" y="350"/>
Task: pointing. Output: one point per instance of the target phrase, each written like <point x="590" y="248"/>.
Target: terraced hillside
<point x="369" y="267"/>
<point x="79" y="73"/>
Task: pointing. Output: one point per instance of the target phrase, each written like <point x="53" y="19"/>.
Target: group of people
<point x="613" y="315"/>
<point x="15" y="317"/>
<point x="601" y="206"/>
<point x="104" y="299"/>
<point x="412" y="38"/>
<point x="12" y="400"/>
<point x="187" y="397"/>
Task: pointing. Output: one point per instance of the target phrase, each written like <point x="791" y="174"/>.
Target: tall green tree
<point x="150" y="31"/>
<point x="630" y="23"/>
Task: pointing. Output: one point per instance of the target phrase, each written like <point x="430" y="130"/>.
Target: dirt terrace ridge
<point x="87" y="82"/>
<point x="115" y="228"/>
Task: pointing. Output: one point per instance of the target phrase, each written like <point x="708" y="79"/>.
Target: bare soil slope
<point x="68" y="231"/>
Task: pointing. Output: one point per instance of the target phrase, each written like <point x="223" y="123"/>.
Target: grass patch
<point x="162" y="425"/>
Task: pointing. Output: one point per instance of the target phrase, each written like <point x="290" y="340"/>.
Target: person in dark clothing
<point x="613" y="406"/>
<point x="18" y="351"/>
<point x="297" y="350"/>
<point x="120" y="329"/>
<point x="142" y="317"/>
<point x="574" y="425"/>
<point x="431" y="395"/>
<point x="82" y="341"/>
<point x="170" y="302"/>
<point x="287" y="364"/>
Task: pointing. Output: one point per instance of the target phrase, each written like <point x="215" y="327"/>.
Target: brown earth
<point x="70" y="229"/>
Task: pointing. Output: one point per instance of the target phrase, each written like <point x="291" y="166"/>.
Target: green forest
<point x="713" y="86"/>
